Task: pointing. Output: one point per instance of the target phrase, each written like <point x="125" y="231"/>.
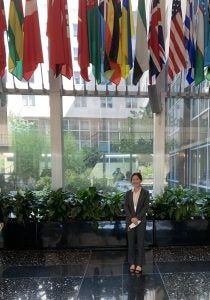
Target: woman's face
<point x="136" y="182"/>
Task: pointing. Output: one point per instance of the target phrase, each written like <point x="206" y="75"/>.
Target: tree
<point x="29" y="145"/>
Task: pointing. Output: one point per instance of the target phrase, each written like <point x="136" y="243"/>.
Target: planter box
<point x="68" y="235"/>
<point x="174" y="233"/>
<point x="18" y="236"/>
<point x="84" y="235"/>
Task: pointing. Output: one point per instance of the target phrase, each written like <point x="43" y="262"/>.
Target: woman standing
<point x="136" y="206"/>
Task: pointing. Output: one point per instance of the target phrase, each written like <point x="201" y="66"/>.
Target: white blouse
<point x="135" y="198"/>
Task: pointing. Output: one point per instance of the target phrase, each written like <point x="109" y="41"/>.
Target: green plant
<point x="24" y="206"/>
<point x="112" y="205"/>
<point x="177" y="204"/>
<point x="89" y="201"/>
<point x="54" y="206"/>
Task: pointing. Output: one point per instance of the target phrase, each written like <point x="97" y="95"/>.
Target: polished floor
<point x="169" y="273"/>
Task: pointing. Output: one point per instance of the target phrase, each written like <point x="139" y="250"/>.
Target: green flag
<point x="93" y="19"/>
<point x="15" y="38"/>
<point x="141" y="62"/>
<point x="199" y="58"/>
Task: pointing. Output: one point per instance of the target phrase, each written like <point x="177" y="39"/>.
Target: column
<point x="159" y="149"/>
<point x="56" y="129"/>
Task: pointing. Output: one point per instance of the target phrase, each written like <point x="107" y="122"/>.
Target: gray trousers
<point x="136" y="241"/>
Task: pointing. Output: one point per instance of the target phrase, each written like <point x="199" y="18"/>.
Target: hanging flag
<point x="156" y="43"/>
<point x="127" y="34"/>
<point x="206" y="32"/>
<point x="83" y="47"/>
<point x="141" y="62"/>
<point x="3" y="28"/>
<point x="190" y="41"/>
<point x="200" y="42"/>
<point x="113" y="14"/>
<point x="15" y="38"/>
<point x="177" y="53"/>
<point x="102" y="10"/>
<point x="32" y="49"/>
<point x="58" y="33"/>
<point x="93" y="19"/>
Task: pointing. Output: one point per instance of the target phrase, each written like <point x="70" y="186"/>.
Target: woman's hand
<point x="134" y="220"/>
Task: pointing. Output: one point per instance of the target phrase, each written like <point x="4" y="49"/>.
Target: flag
<point x="83" y="47"/>
<point x="112" y="70"/>
<point x="102" y="10"/>
<point x="127" y="34"/>
<point x="206" y="32"/>
<point x="15" y="38"/>
<point x="93" y="19"/>
<point x="58" y="33"/>
<point x="32" y="48"/>
<point x="190" y="41"/>
<point x="200" y="42"/>
<point x="141" y="62"/>
<point x="3" y="28"/>
<point x="156" y="43"/>
<point x="177" y="55"/>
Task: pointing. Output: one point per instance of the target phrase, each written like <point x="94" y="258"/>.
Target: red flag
<point x="156" y="42"/>
<point x="3" y="27"/>
<point x="58" y="33"/>
<point x="32" y="49"/>
<point x="83" y="46"/>
<point x="177" y="54"/>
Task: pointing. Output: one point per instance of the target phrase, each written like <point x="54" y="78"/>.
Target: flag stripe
<point x="176" y="61"/>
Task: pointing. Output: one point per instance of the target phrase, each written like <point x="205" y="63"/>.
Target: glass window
<point x="106" y="102"/>
<point x="85" y="135"/>
<point x="108" y="145"/>
<point x="75" y="53"/>
<point x="84" y="124"/>
<point x="131" y="103"/>
<point x="202" y="159"/>
<point x="194" y="103"/>
<point x="80" y="102"/>
<point x="77" y="77"/>
<point x="193" y="167"/>
<point x="28" y="100"/>
<point x="203" y="126"/>
<point x="74" y="124"/>
<point x="25" y="158"/>
<point x="75" y="30"/>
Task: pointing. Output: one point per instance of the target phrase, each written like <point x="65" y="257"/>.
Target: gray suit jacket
<point x="142" y="206"/>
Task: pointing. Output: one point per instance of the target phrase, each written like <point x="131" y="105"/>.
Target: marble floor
<point x="169" y="273"/>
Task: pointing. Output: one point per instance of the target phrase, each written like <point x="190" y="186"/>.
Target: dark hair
<point x="138" y="174"/>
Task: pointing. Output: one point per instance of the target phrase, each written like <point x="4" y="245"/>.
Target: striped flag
<point x="3" y="28"/>
<point x="32" y="49"/>
<point x="93" y="19"/>
<point x="190" y="41"/>
<point x="112" y="71"/>
<point x="126" y="43"/>
<point x="200" y="42"/>
<point x="58" y="33"/>
<point x="15" y="38"/>
<point x="83" y="46"/>
<point x="141" y="62"/>
<point x="177" y="53"/>
<point x="156" y="42"/>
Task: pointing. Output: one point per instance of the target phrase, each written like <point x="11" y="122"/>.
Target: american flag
<point x="156" y="42"/>
<point x="177" y="52"/>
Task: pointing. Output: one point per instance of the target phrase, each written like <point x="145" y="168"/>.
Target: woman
<point x="136" y="206"/>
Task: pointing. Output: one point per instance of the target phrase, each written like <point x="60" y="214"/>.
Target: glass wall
<point x="25" y="152"/>
<point x="107" y="141"/>
<point x="188" y="142"/>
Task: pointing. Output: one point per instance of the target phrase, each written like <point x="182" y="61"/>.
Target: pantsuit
<point x="136" y="235"/>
